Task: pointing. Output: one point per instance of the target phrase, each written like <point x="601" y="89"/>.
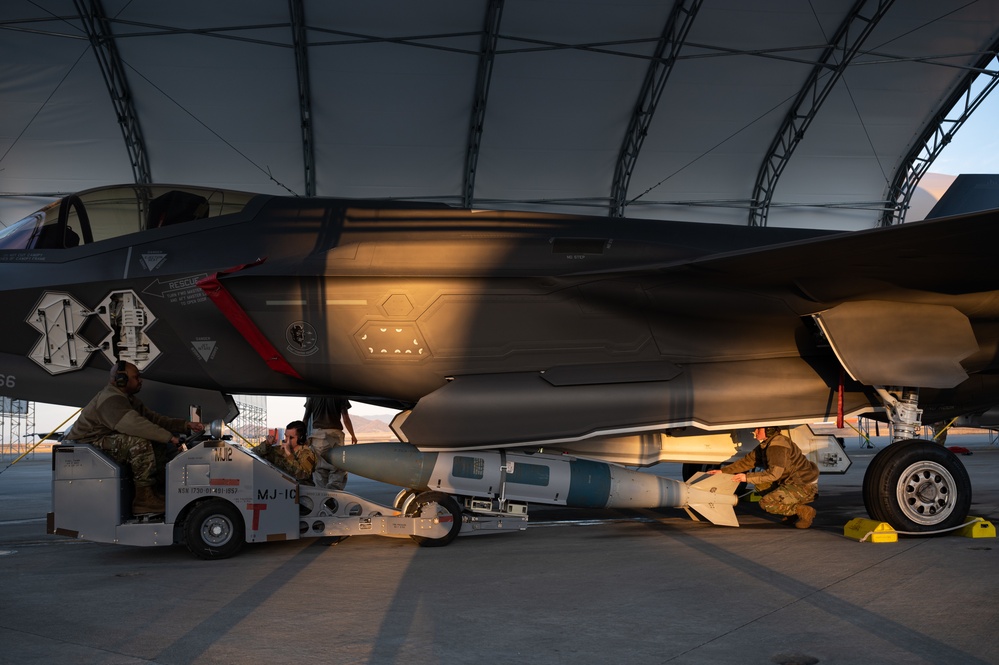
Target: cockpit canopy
<point x="109" y="212"/>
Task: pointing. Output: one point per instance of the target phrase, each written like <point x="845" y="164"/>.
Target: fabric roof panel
<point x="393" y="84"/>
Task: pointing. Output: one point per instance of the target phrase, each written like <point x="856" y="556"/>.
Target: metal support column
<point x="825" y="74"/>
<point x="98" y="29"/>
<point x="668" y="47"/>
<point x="301" y="42"/>
<point x="487" y="53"/>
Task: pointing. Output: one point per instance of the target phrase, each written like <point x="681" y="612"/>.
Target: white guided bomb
<point x="537" y="478"/>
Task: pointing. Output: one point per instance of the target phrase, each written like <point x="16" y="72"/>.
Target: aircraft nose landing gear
<point x="915" y="485"/>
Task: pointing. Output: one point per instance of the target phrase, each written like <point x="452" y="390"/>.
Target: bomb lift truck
<point x="220" y="496"/>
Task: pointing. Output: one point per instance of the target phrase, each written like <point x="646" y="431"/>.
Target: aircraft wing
<point x="950" y="256"/>
<point x="895" y="303"/>
<point x="911" y="293"/>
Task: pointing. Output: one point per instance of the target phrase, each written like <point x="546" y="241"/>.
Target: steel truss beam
<point x="487" y="54"/>
<point x="935" y="137"/>
<point x="826" y="72"/>
<point x="98" y="30"/>
<point x="301" y="43"/>
<point x="668" y="47"/>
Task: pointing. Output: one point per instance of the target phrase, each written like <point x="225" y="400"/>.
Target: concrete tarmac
<point x="577" y="587"/>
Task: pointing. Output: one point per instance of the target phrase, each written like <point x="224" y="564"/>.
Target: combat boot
<point x="805" y="516"/>
<point x="146" y="502"/>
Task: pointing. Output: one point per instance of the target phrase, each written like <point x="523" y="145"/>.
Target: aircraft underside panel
<point x="686" y="445"/>
<point x="21" y="378"/>
<point x="525" y="408"/>
<point x="900" y="344"/>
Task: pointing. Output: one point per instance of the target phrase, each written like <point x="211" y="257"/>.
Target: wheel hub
<point x="216" y="531"/>
<point x="925" y="494"/>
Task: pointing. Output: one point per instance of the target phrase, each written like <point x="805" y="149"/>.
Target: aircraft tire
<point x="446" y="506"/>
<point x="918" y="486"/>
<point x="214" y="529"/>
<point x="871" y="480"/>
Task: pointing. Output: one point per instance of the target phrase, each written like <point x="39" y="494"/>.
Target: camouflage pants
<point x="326" y="475"/>
<point x="784" y="499"/>
<point x="132" y="451"/>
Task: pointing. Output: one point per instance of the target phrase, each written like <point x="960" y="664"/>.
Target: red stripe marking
<point x="240" y="320"/>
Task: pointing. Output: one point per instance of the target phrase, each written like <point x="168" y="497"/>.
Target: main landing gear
<point x="915" y="485"/>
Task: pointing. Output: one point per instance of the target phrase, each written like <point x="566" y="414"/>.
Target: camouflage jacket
<point x="300" y="465"/>
<point x="111" y="411"/>
<point x="780" y="461"/>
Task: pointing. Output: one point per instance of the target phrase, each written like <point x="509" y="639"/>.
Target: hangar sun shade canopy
<point x="815" y="113"/>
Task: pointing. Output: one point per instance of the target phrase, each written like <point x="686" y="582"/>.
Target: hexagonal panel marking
<point x="391" y="342"/>
<point x="397" y="304"/>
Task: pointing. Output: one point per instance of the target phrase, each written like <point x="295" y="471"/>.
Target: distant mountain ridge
<point x="373" y="428"/>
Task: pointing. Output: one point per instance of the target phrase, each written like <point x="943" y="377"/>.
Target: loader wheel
<point x="214" y="530"/>
<point x="441" y="506"/>
<point x="917" y="486"/>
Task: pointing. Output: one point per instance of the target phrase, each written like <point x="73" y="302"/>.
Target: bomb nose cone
<point x="394" y="463"/>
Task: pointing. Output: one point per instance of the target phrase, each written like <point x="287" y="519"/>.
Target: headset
<point x="120" y="375"/>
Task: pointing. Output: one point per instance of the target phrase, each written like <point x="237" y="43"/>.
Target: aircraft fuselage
<point x="504" y="326"/>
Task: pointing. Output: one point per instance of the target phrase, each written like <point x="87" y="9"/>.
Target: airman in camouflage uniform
<point x="786" y="479"/>
<point x="118" y="423"/>
<point x="292" y="456"/>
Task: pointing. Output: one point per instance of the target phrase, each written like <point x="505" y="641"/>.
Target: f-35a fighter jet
<point x="621" y="341"/>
